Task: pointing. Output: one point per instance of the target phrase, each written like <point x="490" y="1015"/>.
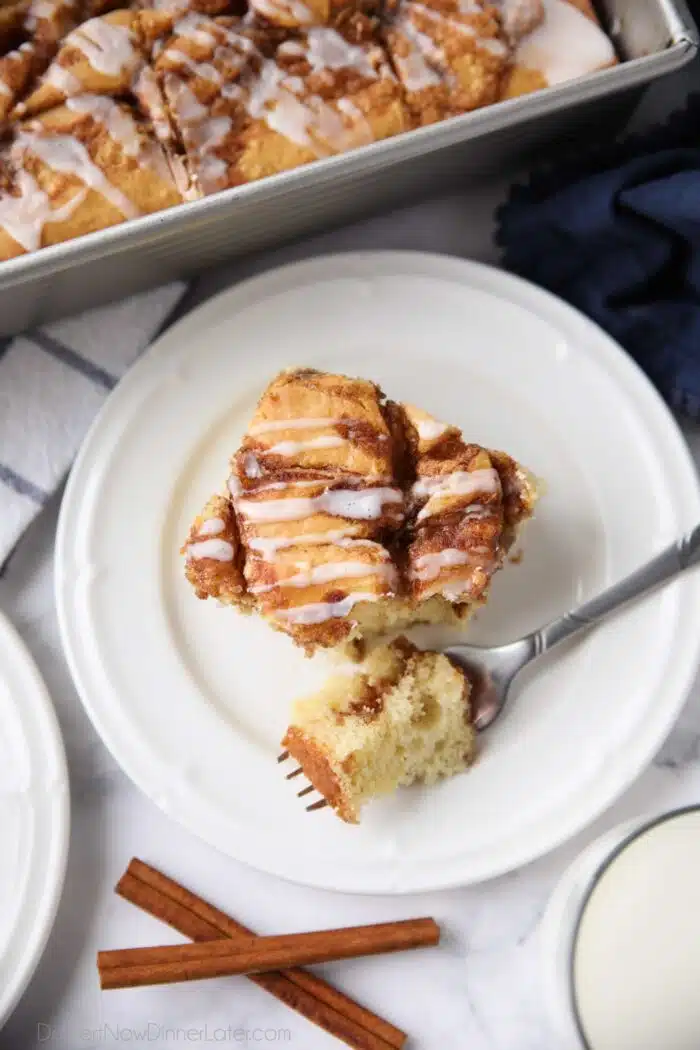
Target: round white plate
<point x="34" y="817"/>
<point x="192" y="698"/>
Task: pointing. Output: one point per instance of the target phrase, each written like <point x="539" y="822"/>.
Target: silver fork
<point x="493" y="670"/>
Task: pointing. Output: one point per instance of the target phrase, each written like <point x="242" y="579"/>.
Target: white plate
<point x="192" y="698"/>
<point x="34" y="817"/>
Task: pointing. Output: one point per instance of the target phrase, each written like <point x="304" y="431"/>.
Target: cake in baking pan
<point x="563" y="43"/>
<point x="219" y="93"/>
<point x="346" y="515"/>
<point x="450" y="57"/>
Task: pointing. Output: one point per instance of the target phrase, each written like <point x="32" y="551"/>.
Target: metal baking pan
<point x="653" y="37"/>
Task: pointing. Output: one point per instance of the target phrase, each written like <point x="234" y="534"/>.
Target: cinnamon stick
<point x="173" y="963"/>
<point x="308" y="994"/>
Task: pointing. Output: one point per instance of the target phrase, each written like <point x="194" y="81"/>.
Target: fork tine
<point x="283" y="757"/>
<point x="305" y="791"/>
<point x="321" y="804"/>
<point x="294" y="773"/>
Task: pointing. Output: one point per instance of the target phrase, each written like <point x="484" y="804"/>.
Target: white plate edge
<point x="481" y="276"/>
<point x="59" y="846"/>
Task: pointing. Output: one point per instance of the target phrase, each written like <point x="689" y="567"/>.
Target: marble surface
<point x="480" y="990"/>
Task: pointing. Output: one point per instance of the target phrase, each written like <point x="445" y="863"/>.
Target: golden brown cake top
<point x="213" y="553"/>
<point x="237" y="90"/>
<point x="85" y="165"/>
<point x="315" y="499"/>
<point x="567" y="43"/>
<point x="457" y="514"/>
<point x="321" y="422"/>
<point x="100" y="56"/>
<point x="343" y="499"/>
<point x="246" y="100"/>
<point x="302" y="14"/>
<point x="519" y="17"/>
<point x="450" y="56"/>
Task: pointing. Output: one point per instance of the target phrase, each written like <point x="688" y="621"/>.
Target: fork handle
<point x="681" y="555"/>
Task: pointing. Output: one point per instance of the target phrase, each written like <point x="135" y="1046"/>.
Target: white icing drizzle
<point x="183" y="100"/>
<point x="430" y="429"/>
<point x="355" y="504"/>
<point x="280" y="485"/>
<point x="42" y="9"/>
<point x="251" y="467"/>
<point x="119" y="124"/>
<point x="67" y="155"/>
<point x="63" y="80"/>
<point x="270" y="426"/>
<point x="456" y="590"/>
<point x="267" y="546"/>
<point x="425" y="64"/>
<point x="211" y="173"/>
<point x="123" y="129"/>
<point x="25" y="216"/>
<point x="45" y="11"/>
<point x="416" y="72"/>
<point x="273" y="100"/>
<point x="108" y="47"/>
<point x="5" y="89"/>
<point x="565" y="46"/>
<point x="209" y="133"/>
<point x="327" y="49"/>
<point x="216" y="549"/>
<point x="472" y="510"/>
<point x="203" y="134"/>
<point x="285" y="104"/>
<point x="441" y="17"/>
<point x="211" y="527"/>
<point x="493" y="45"/>
<point x="489" y="43"/>
<point x="172" y="6"/>
<point x="318" y="612"/>
<point x="293" y="448"/>
<point x="205" y="70"/>
<point x="147" y="90"/>
<point x="519" y="16"/>
<point x="329" y="572"/>
<point x="459" y="483"/>
<point x="209" y="36"/>
<point x="191" y="27"/>
<point x="430" y="565"/>
<point x="284" y="10"/>
<point x="231" y="90"/>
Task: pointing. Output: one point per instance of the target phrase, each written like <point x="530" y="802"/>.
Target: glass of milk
<point x="621" y="940"/>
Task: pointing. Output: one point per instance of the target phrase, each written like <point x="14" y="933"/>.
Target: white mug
<point x="620" y="939"/>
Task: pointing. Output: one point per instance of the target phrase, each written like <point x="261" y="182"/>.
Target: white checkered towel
<point x="52" y="383"/>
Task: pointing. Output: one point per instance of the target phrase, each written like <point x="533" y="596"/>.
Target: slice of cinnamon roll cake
<point x="403" y="718"/>
<point x="346" y="515"/>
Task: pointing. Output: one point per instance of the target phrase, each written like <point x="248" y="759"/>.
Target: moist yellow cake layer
<point x="404" y="717"/>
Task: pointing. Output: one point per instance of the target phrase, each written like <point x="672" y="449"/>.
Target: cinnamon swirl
<point x="356" y="516"/>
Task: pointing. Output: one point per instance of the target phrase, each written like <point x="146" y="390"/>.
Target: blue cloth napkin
<point x="617" y="234"/>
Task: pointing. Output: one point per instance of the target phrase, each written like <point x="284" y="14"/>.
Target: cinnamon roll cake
<point x="221" y="93"/>
<point x="346" y="515"/>
<point x="403" y="718"/>
<point x="557" y="41"/>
